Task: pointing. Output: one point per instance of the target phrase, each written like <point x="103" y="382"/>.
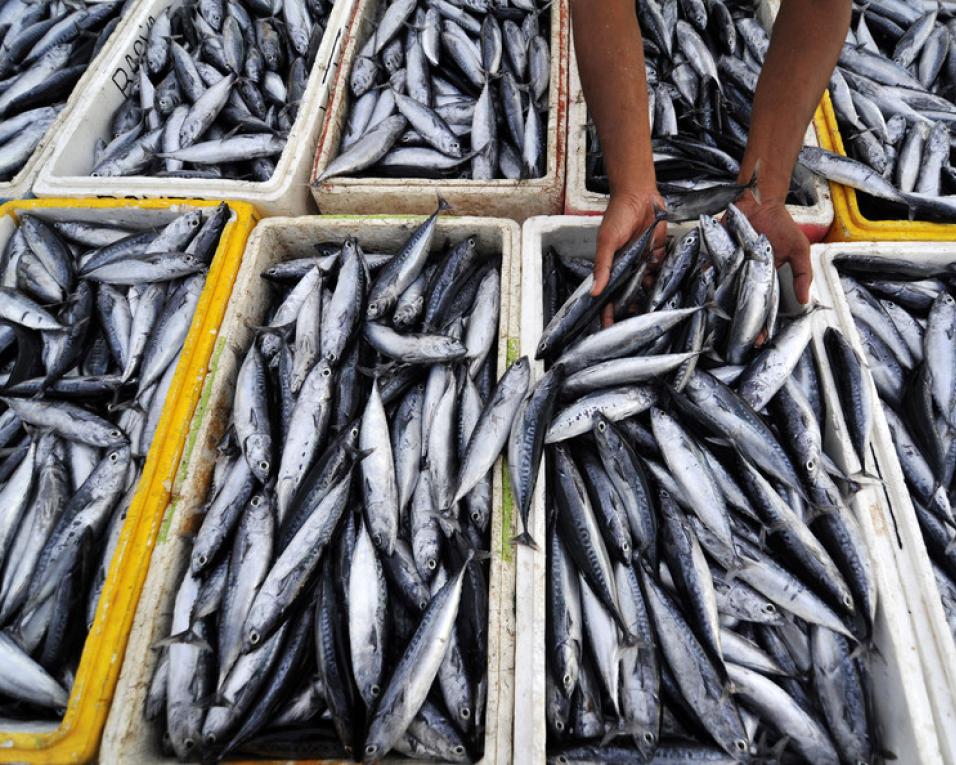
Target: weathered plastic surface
<point x="77" y="736"/>
<point x="128" y="737"/>
<point x="65" y="168"/>
<point x="937" y="648"/>
<point x="502" y="198"/>
<point x="903" y="708"/>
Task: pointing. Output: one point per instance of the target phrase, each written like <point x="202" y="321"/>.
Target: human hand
<point x="627" y="216"/>
<point x="789" y="243"/>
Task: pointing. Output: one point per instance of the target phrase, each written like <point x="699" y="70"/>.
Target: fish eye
<point x="116" y="433"/>
<point x="472" y="241"/>
<point x="422" y="604"/>
<point x="602" y="427"/>
<point x="256" y="501"/>
<point x="476" y="516"/>
<point x="375" y="690"/>
<point x="371" y="749"/>
<point x="741" y="745"/>
<point x="769" y="608"/>
<point x="432" y="564"/>
<point x="626" y="548"/>
<point x="188" y="744"/>
<point x="559" y="725"/>
<point x="113" y="457"/>
<point x="811" y="465"/>
<point x="263" y="465"/>
<point x="373" y="306"/>
<point x="567" y="679"/>
<point x="562" y="759"/>
<point x="649" y="737"/>
<point x="326" y="372"/>
<point x="254" y="637"/>
<point x="355" y="432"/>
<point x="459" y="749"/>
<point x="211" y="739"/>
<point x="465" y="713"/>
<point x="201" y="559"/>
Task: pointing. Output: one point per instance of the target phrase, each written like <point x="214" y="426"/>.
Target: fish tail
<point x="525" y="538"/>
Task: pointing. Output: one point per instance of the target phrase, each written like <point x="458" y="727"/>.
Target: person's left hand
<point x="790" y="244"/>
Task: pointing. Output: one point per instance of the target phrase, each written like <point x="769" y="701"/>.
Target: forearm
<point x="610" y="58"/>
<point x="804" y="48"/>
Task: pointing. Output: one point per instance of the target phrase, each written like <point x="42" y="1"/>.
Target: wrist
<point x="772" y="184"/>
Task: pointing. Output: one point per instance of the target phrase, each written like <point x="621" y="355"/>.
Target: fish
<point x="366" y="528"/>
<point x="79" y="401"/>
<point x="672" y="649"/>
<point x="702" y="74"/>
<point x="472" y="101"/>
<point x="42" y="56"/>
<point x="919" y="421"/>
<point x="893" y="98"/>
<point x="218" y="88"/>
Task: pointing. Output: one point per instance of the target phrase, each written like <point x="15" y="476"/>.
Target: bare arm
<point x="804" y="48"/>
<point x="610" y="54"/>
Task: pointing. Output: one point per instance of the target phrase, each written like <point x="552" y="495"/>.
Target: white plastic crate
<point x="128" y="737"/>
<point x="903" y="707"/>
<point x="815" y="220"/>
<point x="937" y="649"/>
<point x="505" y="198"/>
<point x="65" y="168"/>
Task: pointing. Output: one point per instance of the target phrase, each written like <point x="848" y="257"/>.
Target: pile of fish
<point x="336" y="597"/>
<point x="702" y="61"/>
<point x="46" y="47"/>
<point x="92" y="321"/>
<point x="710" y="595"/>
<point x="216" y="92"/>
<point x="893" y="94"/>
<point x="905" y="313"/>
<point x="454" y="89"/>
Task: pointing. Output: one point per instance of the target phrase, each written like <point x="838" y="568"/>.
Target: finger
<point x="660" y="238"/>
<point x="801" y="287"/>
<point x="607" y="315"/>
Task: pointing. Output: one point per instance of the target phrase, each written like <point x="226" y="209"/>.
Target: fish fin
<point x="862" y="478"/>
<point x="813" y="306"/>
<point x="713" y="307"/>
<point x="525" y="538"/>
<point x="186" y="636"/>
<point x="265" y="330"/>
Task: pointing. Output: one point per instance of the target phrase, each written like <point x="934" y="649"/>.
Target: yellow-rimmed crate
<point x="77" y="736"/>
<point x="129" y="738"/>
<point x="850" y="224"/>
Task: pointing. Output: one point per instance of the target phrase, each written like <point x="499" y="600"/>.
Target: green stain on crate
<point x="514" y="350"/>
<point x="507" y="514"/>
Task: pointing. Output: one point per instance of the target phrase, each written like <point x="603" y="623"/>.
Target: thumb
<point x="604" y="256"/>
<point x="802" y="277"/>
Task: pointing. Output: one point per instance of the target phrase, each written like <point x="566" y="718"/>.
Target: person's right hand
<point x="628" y="215"/>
